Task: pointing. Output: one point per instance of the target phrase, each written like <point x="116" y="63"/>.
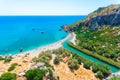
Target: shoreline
<point x="73" y="38"/>
<point x="55" y="45"/>
<point x="25" y="58"/>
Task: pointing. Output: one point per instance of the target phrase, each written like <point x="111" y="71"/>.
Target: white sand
<point x="73" y="38"/>
<point x="52" y="46"/>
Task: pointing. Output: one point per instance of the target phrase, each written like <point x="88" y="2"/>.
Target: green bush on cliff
<point x="35" y="74"/>
<point x="7" y="60"/>
<point x="12" y="67"/>
<point x="100" y="75"/>
<point x="73" y="64"/>
<point x="87" y="64"/>
<point x="57" y="59"/>
<point x="43" y="57"/>
<point x="1" y="58"/>
<point x="8" y="76"/>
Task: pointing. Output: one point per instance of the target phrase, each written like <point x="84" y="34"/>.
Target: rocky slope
<point x="103" y="16"/>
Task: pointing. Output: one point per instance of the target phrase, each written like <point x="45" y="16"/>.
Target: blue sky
<point x="52" y="7"/>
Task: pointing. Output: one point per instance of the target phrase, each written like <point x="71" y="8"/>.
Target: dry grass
<point x="22" y="66"/>
<point x="65" y="73"/>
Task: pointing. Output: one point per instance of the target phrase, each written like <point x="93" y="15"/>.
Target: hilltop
<point x="109" y="15"/>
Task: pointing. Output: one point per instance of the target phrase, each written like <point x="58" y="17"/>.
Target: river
<point x="65" y="45"/>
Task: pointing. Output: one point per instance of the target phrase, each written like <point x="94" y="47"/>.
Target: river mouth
<point x="112" y="68"/>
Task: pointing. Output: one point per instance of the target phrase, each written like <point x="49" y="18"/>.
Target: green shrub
<point x="46" y="54"/>
<point x="78" y="58"/>
<point x="7" y="60"/>
<point x="35" y="59"/>
<point x="1" y="58"/>
<point x="114" y="78"/>
<point x="43" y="57"/>
<point x="66" y="54"/>
<point x="95" y="67"/>
<point x="25" y="61"/>
<point x="73" y="64"/>
<point x="57" y="59"/>
<point x="87" y="64"/>
<point x="51" y="76"/>
<point x="8" y="76"/>
<point x="12" y="67"/>
<point x="35" y="74"/>
<point x="100" y="75"/>
<point x="104" y="69"/>
<point x="50" y="72"/>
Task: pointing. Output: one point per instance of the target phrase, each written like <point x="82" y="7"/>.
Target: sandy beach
<point x="52" y="46"/>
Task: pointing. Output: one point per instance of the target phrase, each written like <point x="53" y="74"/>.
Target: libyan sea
<point x="30" y="32"/>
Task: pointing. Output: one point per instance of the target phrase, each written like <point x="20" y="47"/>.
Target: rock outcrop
<point x="103" y="16"/>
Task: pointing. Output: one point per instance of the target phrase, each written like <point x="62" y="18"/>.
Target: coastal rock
<point x="103" y="16"/>
<point x="39" y="65"/>
<point x="21" y="74"/>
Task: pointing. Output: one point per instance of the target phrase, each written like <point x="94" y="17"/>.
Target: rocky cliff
<point x="103" y="16"/>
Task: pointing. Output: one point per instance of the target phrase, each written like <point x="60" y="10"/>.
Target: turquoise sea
<point x="30" y="32"/>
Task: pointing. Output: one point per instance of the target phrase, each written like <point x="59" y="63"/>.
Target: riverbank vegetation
<point x="107" y="60"/>
<point x="103" y="44"/>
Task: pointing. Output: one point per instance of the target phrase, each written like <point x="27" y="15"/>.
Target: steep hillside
<point x="103" y="16"/>
<point x="98" y="35"/>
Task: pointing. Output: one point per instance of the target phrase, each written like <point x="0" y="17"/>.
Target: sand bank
<point x="52" y="46"/>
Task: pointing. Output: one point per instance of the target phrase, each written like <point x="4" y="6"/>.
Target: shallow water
<point x="30" y="32"/>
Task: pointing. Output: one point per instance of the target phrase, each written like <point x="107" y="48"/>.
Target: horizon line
<point x="46" y="15"/>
